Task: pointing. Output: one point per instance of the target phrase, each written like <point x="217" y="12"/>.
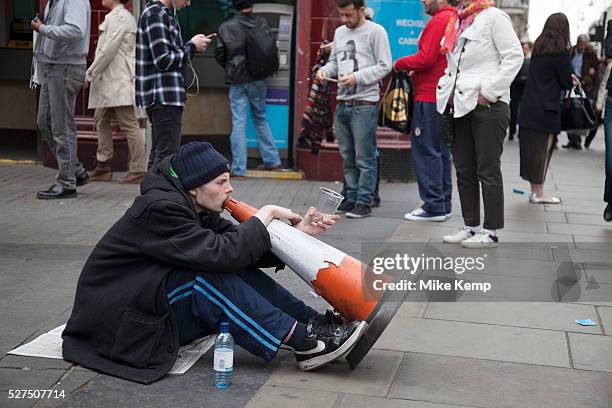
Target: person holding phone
<point x="161" y="57"/>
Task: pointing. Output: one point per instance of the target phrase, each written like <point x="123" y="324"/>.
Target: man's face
<point x="582" y="45"/>
<point x="181" y="4"/>
<point x="351" y="17"/>
<point x="212" y="195"/>
<point x="431" y="6"/>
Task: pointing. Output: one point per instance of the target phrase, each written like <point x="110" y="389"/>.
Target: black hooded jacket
<point x="230" y="51"/>
<point x="121" y="322"/>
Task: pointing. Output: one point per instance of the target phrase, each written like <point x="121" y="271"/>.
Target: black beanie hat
<point x="242" y="4"/>
<point x="197" y="163"/>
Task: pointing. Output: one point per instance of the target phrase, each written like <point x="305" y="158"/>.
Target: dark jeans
<point x="432" y="160"/>
<point x="260" y="311"/>
<point x="166" y="131"/>
<point x="477" y="150"/>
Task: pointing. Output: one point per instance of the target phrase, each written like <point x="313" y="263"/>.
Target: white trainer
<point x="480" y="240"/>
<point x="459" y="236"/>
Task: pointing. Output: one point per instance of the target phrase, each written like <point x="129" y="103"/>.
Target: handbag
<point x="447" y="119"/>
<point x="577" y="112"/>
<point x="397" y="105"/>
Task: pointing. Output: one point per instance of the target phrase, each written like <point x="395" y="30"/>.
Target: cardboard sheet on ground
<point x="49" y="345"/>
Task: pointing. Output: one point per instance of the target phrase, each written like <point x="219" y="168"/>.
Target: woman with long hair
<point x="540" y="114"/>
<point x="484" y="55"/>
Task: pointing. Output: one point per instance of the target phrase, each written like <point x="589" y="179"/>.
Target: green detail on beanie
<point x="172" y="173"/>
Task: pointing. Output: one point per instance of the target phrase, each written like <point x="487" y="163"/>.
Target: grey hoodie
<point x="64" y="39"/>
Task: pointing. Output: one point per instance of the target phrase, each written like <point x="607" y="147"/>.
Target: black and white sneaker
<point x="345" y="206"/>
<point x="329" y="346"/>
<point x="360" y="211"/>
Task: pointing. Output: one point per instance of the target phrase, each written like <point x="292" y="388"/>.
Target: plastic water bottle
<point x="223" y="365"/>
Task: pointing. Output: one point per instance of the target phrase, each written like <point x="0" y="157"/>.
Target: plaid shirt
<point x="160" y="58"/>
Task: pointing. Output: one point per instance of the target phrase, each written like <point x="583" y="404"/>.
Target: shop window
<point x="206" y="16"/>
<point x="15" y="31"/>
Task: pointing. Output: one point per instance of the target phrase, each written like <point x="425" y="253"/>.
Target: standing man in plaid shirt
<point x="161" y="57"/>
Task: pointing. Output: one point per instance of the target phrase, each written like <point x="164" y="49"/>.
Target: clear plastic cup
<point x="328" y="203"/>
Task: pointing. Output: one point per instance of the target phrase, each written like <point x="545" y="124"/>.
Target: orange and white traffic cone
<point x="334" y="275"/>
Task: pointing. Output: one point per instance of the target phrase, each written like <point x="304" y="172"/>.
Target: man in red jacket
<point x="431" y="158"/>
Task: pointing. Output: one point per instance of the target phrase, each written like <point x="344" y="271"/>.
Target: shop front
<point x="301" y="26"/>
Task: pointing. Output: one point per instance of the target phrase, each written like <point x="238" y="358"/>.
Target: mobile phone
<point x="36" y="18"/>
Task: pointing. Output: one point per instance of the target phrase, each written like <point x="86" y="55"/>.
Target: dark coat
<point x="230" y="51"/>
<point x="121" y="322"/>
<point x="589" y="60"/>
<point x="540" y="108"/>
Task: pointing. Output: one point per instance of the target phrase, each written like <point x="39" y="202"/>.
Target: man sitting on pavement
<point x="171" y="269"/>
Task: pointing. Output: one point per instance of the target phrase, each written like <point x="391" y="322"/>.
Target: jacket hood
<point x="160" y="184"/>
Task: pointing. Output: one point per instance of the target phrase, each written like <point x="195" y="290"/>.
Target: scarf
<point x="460" y="20"/>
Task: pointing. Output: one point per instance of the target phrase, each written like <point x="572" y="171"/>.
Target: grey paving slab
<point x="603" y="232"/>
<point x="587" y="219"/>
<point x="12" y="402"/>
<point x="359" y="401"/>
<point x="17" y="378"/>
<point x="373" y="376"/>
<point x="29" y="363"/>
<point x="591" y="352"/>
<point x="574" y="209"/>
<point x="283" y="397"/>
<point x="581" y="292"/>
<point x="71" y="382"/>
<point x="545" y="315"/>
<point x="482" y="383"/>
<point x="606" y="317"/>
<point x="483" y="341"/>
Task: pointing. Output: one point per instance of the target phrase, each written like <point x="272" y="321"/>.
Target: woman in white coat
<point x="484" y="55"/>
<point x="112" y="76"/>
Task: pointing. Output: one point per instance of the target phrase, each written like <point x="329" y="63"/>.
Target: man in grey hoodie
<point x="61" y="52"/>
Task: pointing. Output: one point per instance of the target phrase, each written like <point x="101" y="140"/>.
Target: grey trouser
<point x="61" y="84"/>
<point x="477" y="150"/>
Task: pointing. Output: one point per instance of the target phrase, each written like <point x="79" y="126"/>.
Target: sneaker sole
<point x="348" y="345"/>
<point x="353" y="215"/>
<point x="479" y="245"/>
<point x="438" y="218"/>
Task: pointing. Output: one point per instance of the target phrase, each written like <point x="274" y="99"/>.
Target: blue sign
<point x="277" y="114"/>
<point x="404" y="21"/>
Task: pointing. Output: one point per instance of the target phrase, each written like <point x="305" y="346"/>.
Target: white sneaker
<point x="533" y="198"/>
<point x="421" y="215"/>
<point x="481" y="240"/>
<point x="458" y="236"/>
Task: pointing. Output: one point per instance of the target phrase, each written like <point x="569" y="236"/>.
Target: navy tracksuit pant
<point x="261" y="312"/>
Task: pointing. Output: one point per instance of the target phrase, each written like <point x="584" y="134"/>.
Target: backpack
<point x="261" y="52"/>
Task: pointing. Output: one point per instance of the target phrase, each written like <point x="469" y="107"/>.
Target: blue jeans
<point x="241" y="96"/>
<point x="356" y="134"/>
<point x="432" y="160"/>
<point x="608" y="134"/>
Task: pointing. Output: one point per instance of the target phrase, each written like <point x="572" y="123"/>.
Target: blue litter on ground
<point x="517" y="191"/>
<point x="586" y="322"/>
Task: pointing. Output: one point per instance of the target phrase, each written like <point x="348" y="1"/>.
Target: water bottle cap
<point x="225" y="327"/>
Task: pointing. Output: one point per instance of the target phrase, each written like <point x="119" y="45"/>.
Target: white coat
<point x="491" y="59"/>
<point x="112" y="73"/>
